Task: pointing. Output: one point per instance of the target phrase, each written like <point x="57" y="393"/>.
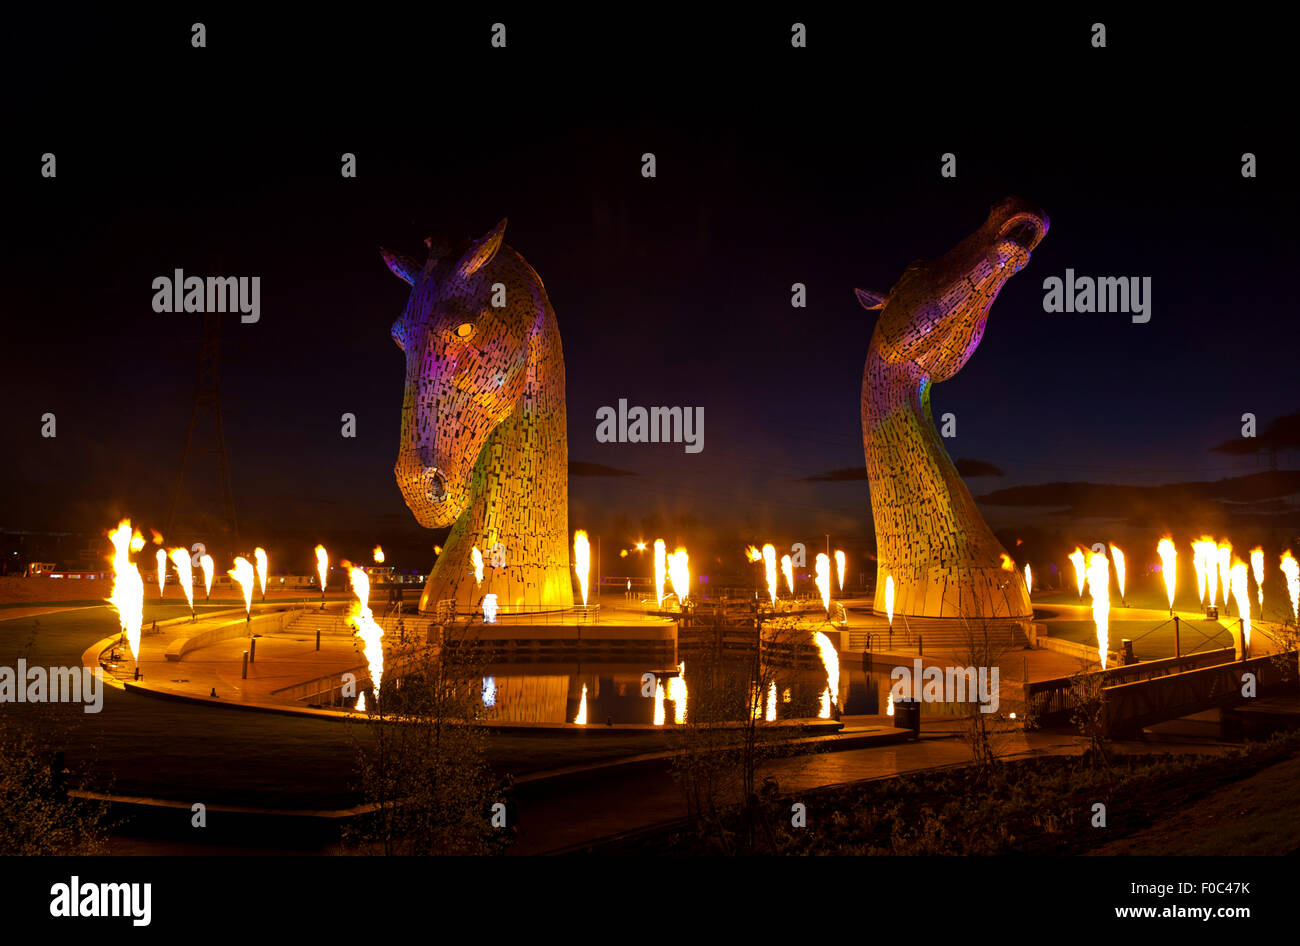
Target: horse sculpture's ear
<point x="401" y="266"/>
<point x="481" y="251"/>
<point x="871" y="300"/>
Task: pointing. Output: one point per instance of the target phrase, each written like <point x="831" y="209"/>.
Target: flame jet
<point x="128" y="586"/>
<point x="1257" y="567"/>
<point x="161" y="558"/>
<point x="769" y="567"/>
<point x="1291" y="569"/>
<point x="259" y="556"/>
<point x="1099" y="587"/>
<point x="1223" y="555"/>
<point x="679" y="573"/>
<point x="209" y="566"/>
<point x="184" y="574"/>
<point x="1169" y="566"/>
<point x="787" y="569"/>
<point x="1118" y="555"/>
<point x="1080" y="569"/>
<point x="244" y="576"/>
<point x="823" y="572"/>
<point x="661" y="569"/>
<point x="368" y="630"/>
<point x="1237" y="582"/>
<point x="929" y="534"/>
<point x="582" y="561"/>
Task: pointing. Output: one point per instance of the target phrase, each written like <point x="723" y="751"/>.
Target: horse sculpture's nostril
<point x="437" y="486"/>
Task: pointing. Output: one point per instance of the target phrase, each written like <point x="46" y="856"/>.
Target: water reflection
<point x="623" y="693"/>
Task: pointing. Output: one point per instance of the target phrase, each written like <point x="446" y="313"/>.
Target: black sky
<point x="774" y="166"/>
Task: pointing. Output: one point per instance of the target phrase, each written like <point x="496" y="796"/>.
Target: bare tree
<point x="726" y="737"/>
<point x="37" y="815"/>
<point x="1088" y="713"/>
<point x="425" y="770"/>
<point x="985" y="644"/>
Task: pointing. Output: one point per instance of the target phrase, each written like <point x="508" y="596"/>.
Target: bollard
<point x="1178" y="646"/>
<point x="244" y="673"/>
<point x="252" y="651"/>
<point x="318" y="638"/>
<point x="137" y="671"/>
<point x="1128" y="652"/>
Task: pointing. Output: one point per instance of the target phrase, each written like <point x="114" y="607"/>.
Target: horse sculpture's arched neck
<point x="484" y="444"/>
<point x="930" y="537"/>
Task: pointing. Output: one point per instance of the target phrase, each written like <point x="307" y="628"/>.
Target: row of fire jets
<point x="128" y="597"/>
<point x="1214" y="564"/>
<point x="128" y="587"/>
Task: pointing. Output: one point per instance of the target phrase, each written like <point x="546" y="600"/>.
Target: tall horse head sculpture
<point x="484" y="445"/>
<point x="930" y="537"/>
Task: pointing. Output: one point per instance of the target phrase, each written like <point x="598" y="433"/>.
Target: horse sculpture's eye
<point x="464" y="330"/>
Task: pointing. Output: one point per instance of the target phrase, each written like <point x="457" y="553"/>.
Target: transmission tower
<point x="207" y="402"/>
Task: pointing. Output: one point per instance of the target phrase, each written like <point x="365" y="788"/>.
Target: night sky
<point x="775" y="166"/>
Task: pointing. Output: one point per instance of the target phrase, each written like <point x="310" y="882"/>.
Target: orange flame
<point x="322" y="566"/>
<point x="368" y="630"/>
<point x="1099" y="586"/>
<point x="128" y="586"/>
<point x="184" y="573"/>
<point x="379" y="555"/>
<point x="1291" y="569"/>
<point x="209" y="572"/>
<point x="1257" y="566"/>
<point x="771" y="702"/>
<point x="1118" y="555"/>
<point x="259" y="556"/>
<point x="889" y="599"/>
<point x="679" y="573"/>
<point x="1080" y="569"/>
<point x="840" y="563"/>
<point x="243" y="575"/>
<point x="1168" y="566"/>
<point x="582" y="561"/>
<point x="1223" y="553"/>
<point x="137" y="541"/>
<point x="787" y="569"/>
<point x="661" y="557"/>
<point x="1203" y="559"/>
<point x="769" y="566"/>
<point x="1007" y="563"/>
<point x="1029" y="580"/>
<point x="1240" y="592"/>
<point x="476" y="563"/>
<point x="823" y="572"/>
<point x="581" y="718"/>
<point x="753" y="554"/>
<point x="161" y="557"/>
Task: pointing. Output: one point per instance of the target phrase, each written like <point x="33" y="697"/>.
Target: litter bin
<point x="907" y="715"/>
